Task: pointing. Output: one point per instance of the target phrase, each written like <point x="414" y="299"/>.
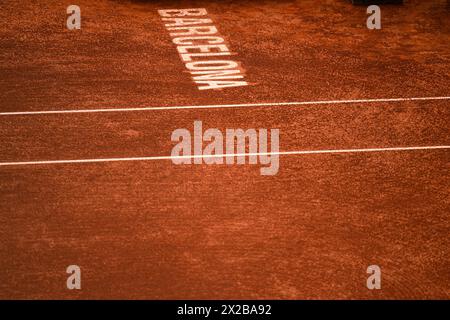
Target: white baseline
<point x="155" y="158"/>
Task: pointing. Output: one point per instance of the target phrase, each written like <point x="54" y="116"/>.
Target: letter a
<point x="74" y="280"/>
<point x="74" y="20"/>
<point x="374" y="281"/>
<point x="181" y="152"/>
<point x="374" y="21"/>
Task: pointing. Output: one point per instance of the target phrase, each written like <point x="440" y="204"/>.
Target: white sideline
<point x="305" y="152"/>
<point x="218" y="106"/>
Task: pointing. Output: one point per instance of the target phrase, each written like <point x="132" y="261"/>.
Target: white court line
<point x="305" y="152"/>
<point x="217" y="106"/>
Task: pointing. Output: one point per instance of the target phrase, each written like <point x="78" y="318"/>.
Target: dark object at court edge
<point x="368" y="2"/>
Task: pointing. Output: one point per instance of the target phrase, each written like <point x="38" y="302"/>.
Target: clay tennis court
<point x="364" y="162"/>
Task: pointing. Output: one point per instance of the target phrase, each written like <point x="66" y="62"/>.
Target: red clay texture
<point x="156" y="230"/>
